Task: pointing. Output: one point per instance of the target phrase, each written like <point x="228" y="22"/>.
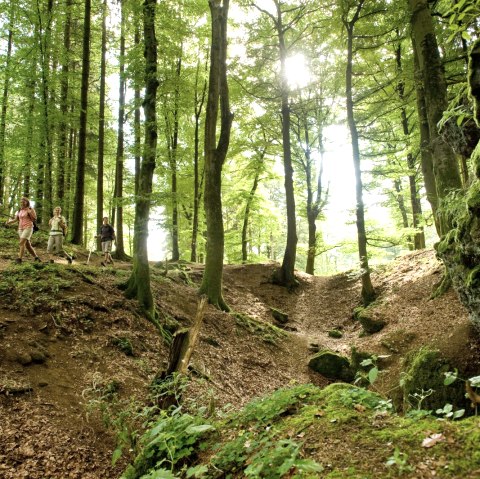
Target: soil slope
<point x="77" y="336"/>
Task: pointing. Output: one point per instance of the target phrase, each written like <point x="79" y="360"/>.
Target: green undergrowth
<point x="342" y="431"/>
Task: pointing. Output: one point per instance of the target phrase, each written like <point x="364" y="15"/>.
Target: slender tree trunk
<point x="3" y="115"/>
<point x="136" y="125"/>
<point x="197" y="178"/>
<point x="419" y="237"/>
<point x="120" y="157"/>
<point x="44" y="40"/>
<point x="64" y="85"/>
<point x="101" y="125"/>
<point x="368" y="293"/>
<point x="445" y="165"/>
<point x="173" y="164"/>
<point x="286" y="274"/>
<point x="215" y="154"/>
<point x="138" y="285"/>
<point x="246" y="216"/>
<point x="79" y="202"/>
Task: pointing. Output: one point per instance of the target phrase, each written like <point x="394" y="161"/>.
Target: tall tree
<point x="79" y="201"/>
<point x="349" y="21"/>
<point x="120" y="160"/>
<point x="3" y="114"/>
<point x="138" y="285"/>
<point x="101" y="124"/>
<point x="215" y="153"/>
<point x="445" y="165"/>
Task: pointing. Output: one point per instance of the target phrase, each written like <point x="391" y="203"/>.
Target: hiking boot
<point x="18" y="260"/>
<point x="103" y="264"/>
<point x="37" y="259"/>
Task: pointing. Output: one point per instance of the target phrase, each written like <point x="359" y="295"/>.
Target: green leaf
<point x="466" y="35"/>
<point x="372" y="375"/>
<point x="450" y="377"/>
<point x="197" y="471"/>
<point x="116" y="455"/>
<point x="475" y="381"/>
<point x="160" y="474"/>
<point x="198" y="429"/>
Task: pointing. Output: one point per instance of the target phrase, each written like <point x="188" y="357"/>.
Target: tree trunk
<point x="445" y="165"/>
<point x="77" y="230"/>
<point x="120" y="156"/>
<point x="197" y="178"/>
<point x="3" y="115"/>
<point x="64" y="86"/>
<point x="137" y="116"/>
<point x="215" y="154"/>
<point x="138" y="285"/>
<point x="285" y="276"/>
<point x="368" y="293"/>
<point x="101" y="125"/>
<point x="246" y="215"/>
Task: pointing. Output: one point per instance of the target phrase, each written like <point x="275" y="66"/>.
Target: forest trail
<point x="65" y="352"/>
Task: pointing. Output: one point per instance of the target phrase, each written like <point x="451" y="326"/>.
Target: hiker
<point x="107" y="234"/>
<point x="26" y="216"/>
<point x="58" y="229"/>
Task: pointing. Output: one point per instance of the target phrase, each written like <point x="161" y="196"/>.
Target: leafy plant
<point x="448" y="413"/>
<point x="400" y="461"/>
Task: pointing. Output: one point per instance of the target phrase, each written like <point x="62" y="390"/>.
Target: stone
<point x="332" y="366"/>
<point x="279" y="316"/>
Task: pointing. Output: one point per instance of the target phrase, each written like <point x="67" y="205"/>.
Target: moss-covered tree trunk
<point x="138" y="285"/>
<point x="445" y="165"/>
<point x="368" y="293"/>
<point x="215" y="154"/>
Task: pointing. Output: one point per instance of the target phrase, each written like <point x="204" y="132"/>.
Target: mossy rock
<point x="279" y="316"/>
<point x="357" y="357"/>
<point x="332" y="366"/>
<point x="335" y="333"/>
<point x="425" y="370"/>
<point x="369" y="323"/>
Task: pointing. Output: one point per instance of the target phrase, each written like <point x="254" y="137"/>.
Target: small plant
<point x="448" y="413"/>
<point x="400" y="461"/>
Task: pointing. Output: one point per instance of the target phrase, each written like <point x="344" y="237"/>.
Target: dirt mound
<point x="80" y="339"/>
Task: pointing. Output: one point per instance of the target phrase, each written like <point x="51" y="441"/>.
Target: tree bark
<point x="368" y="293"/>
<point x="215" y="154"/>
<point x="120" y="155"/>
<point x="138" y="285"/>
<point x="3" y="115"/>
<point x="197" y="177"/>
<point x="101" y="126"/>
<point x="445" y="165"/>
<point x="78" y="212"/>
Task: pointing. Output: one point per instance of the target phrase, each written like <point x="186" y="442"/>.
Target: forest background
<point x="72" y="122"/>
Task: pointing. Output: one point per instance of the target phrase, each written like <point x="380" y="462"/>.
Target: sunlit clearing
<point x="298" y="74"/>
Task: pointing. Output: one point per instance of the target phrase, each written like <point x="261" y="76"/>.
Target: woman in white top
<point x="58" y="228"/>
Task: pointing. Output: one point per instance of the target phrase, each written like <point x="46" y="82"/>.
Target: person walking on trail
<point x="107" y="234"/>
<point x="58" y="229"/>
<point x="25" y="217"/>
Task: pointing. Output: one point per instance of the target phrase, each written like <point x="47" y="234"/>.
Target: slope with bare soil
<point x="79" y="336"/>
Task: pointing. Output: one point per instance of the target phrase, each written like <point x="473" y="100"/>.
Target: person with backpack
<point x="107" y="235"/>
<point x="26" y="217"/>
<point x="58" y="230"/>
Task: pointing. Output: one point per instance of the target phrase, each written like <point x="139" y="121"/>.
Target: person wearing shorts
<point x="58" y="226"/>
<point x="107" y="235"/>
<point x="25" y="217"/>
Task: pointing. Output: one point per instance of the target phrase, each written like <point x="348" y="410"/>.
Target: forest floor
<point x="69" y="338"/>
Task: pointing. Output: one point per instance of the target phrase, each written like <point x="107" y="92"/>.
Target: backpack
<point x="35" y="227"/>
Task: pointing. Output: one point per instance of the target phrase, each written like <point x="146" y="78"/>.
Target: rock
<point x="38" y="356"/>
<point x="279" y="316"/>
<point x="369" y="322"/>
<point x="335" y="333"/>
<point x="332" y="366"/>
<point x="23" y="358"/>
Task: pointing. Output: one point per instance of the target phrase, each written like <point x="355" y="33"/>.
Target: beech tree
<point x="215" y="153"/>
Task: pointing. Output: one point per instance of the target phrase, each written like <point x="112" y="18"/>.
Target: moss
<point x="332" y="366"/>
<point x="445" y="244"/>
<point x="425" y="371"/>
<point x="473" y="278"/>
<point x="279" y="316"/>
<point x="335" y="333"/>
<point x="473" y="196"/>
